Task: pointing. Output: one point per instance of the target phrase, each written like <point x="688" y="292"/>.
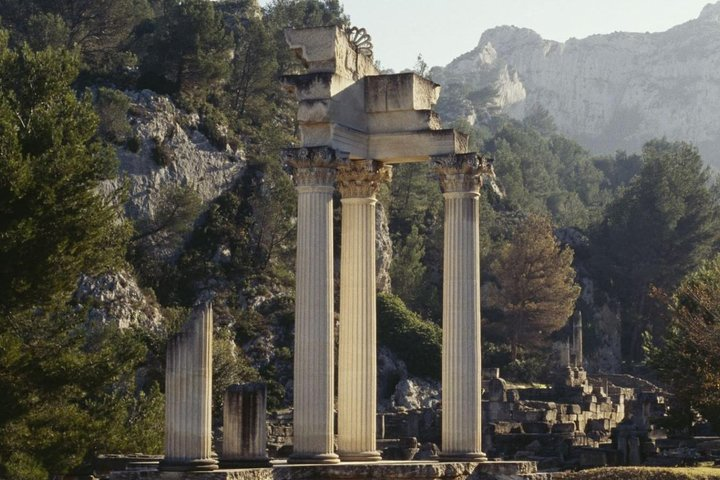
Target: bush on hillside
<point x="416" y="341"/>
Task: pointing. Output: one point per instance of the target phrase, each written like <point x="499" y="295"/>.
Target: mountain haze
<point x="609" y="92"/>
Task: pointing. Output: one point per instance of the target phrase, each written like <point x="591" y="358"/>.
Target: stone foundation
<point x="358" y="471"/>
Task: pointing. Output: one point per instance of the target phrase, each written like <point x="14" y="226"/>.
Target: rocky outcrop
<point x="168" y="150"/>
<point x="383" y="249"/>
<point x="415" y="394"/>
<point x="116" y="298"/>
<point x="608" y="92"/>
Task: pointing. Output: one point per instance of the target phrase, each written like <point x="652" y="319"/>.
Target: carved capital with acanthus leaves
<point x="461" y="172"/>
<point x="362" y="178"/>
<point x="312" y="166"/>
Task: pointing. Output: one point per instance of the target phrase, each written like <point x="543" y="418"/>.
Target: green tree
<point x="67" y="391"/>
<point x="66" y="387"/>
<point x="534" y="286"/>
<point x="407" y="270"/>
<point x="189" y="50"/>
<point x="100" y="29"/>
<point x="659" y="229"/>
<point x="54" y="224"/>
<point x="689" y="353"/>
<point x="254" y="67"/>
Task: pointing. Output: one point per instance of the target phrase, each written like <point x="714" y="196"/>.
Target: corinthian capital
<point x="461" y="172"/>
<point x="361" y="178"/>
<point x="312" y="166"/>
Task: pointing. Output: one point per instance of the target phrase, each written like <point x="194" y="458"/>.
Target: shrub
<point x="133" y="144"/>
<point x="416" y="341"/>
<point x="112" y="107"/>
<point x="163" y="153"/>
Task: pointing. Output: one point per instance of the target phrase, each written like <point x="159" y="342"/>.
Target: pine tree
<point x="661" y="227"/>
<point x="535" y="284"/>
<point x="689" y="353"/>
<point x="54" y="224"/>
<point x="189" y="50"/>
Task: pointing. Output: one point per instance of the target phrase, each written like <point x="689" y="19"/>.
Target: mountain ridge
<point x="607" y="91"/>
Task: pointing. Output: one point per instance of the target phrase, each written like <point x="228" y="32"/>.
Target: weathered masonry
<point x="354" y="123"/>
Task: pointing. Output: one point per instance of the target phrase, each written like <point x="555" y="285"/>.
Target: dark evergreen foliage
<point x="416" y="341"/>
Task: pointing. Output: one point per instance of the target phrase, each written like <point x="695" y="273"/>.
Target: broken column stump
<point x="244" y="427"/>
<point x="188" y="392"/>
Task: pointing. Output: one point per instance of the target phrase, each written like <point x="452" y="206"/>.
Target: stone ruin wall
<point x="549" y="425"/>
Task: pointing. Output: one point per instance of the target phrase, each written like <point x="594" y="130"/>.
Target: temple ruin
<point x="354" y="124"/>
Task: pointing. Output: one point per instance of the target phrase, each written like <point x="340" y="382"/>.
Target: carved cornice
<point x="361" y="178"/>
<point x="312" y="166"/>
<point x="461" y="172"/>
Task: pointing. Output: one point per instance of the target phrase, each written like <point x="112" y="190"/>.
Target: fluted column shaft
<point x="188" y="387"/>
<point x="461" y="365"/>
<point x="314" y="175"/>
<point x="358" y="182"/>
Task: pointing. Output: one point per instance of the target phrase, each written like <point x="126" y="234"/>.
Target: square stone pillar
<point x="313" y="385"/>
<point x="358" y="182"/>
<point x="460" y="180"/>
<point x="188" y="396"/>
<point x="245" y="427"/>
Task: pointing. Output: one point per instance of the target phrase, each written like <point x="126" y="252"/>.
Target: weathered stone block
<point x="598" y="425"/>
<point x="528" y="415"/>
<point x="573" y="408"/>
<point x="503" y="428"/>
<point x="401" y="91"/>
<point x="536" y="427"/>
<point x="565" y="427"/>
<point x="495" y="411"/>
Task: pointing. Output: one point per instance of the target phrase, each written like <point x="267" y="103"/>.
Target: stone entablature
<point x="345" y="104"/>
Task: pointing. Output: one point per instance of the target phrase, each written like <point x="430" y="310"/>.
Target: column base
<point x="200" y="465"/>
<point x="462" y="457"/>
<point x="237" y="463"/>
<point x="369" y="456"/>
<point x="313" y="458"/>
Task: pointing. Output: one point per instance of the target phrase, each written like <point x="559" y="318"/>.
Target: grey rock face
<point x="608" y="92"/>
<point x="415" y="393"/>
<point x="116" y="298"/>
<point x="383" y="249"/>
<point x="194" y="162"/>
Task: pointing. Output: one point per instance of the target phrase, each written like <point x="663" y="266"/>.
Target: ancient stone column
<point x="314" y="176"/>
<point x="244" y="427"/>
<point x="578" y="340"/>
<point x="188" y="396"/>
<point x="460" y="180"/>
<point x="358" y="182"/>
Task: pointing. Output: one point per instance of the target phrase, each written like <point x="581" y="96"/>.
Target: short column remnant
<point x="314" y="176"/>
<point x="244" y="427"/>
<point x="460" y="180"/>
<point x="188" y="392"/>
<point x="358" y="182"/>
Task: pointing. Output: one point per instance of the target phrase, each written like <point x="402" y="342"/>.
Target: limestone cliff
<point x="608" y="92"/>
<point x="170" y="151"/>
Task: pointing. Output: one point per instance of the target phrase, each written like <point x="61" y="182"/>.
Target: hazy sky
<point x="441" y="30"/>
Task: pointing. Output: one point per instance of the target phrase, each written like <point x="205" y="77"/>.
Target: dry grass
<point x="643" y="473"/>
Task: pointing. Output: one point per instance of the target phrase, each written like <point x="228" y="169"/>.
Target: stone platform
<point x="510" y="470"/>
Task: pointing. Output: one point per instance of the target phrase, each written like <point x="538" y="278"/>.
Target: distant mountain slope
<point x="608" y="92"/>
